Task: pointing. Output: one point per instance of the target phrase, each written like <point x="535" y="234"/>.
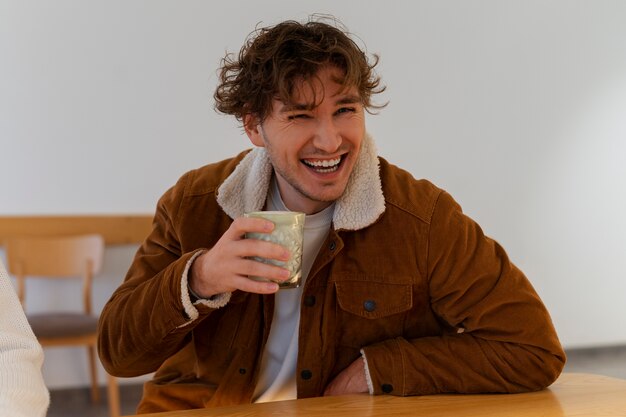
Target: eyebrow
<point x="350" y="99"/>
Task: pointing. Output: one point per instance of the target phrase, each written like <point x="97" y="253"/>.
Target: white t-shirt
<point x="277" y="380"/>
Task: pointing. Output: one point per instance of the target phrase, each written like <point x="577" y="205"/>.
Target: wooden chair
<point x="64" y="257"/>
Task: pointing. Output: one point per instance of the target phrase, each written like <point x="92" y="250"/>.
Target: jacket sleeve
<point x="145" y="321"/>
<point x="502" y="337"/>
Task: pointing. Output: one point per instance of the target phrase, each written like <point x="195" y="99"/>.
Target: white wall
<point x="517" y="108"/>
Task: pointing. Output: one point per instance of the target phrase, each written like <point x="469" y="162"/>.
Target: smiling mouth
<point x="324" y="166"/>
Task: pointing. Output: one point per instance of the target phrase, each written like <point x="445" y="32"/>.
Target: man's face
<point x="313" y="149"/>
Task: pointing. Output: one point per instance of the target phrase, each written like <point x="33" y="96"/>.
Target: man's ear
<point x="252" y="126"/>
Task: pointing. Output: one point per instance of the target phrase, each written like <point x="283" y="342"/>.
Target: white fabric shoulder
<point x="22" y="389"/>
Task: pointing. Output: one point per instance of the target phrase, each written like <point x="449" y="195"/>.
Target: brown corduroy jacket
<point x="435" y="305"/>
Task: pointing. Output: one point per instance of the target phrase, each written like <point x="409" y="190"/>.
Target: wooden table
<point x="581" y="395"/>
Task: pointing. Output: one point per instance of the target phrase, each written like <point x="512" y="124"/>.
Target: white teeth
<point x="327" y="163"/>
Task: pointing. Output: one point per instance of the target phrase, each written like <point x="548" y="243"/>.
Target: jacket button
<point x="306" y="374"/>
<point x="242" y="371"/>
<point x="387" y="388"/>
<point x="369" y="305"/>
<point x="332" y="245"/>
<point x="309" y="300"/>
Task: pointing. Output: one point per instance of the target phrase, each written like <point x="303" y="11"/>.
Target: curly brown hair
<point x="274" y="58"/>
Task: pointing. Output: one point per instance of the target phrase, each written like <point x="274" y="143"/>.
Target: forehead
<point x="326" y="84"/>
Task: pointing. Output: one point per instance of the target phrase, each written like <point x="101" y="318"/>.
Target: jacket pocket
<point x="370" y="311"/>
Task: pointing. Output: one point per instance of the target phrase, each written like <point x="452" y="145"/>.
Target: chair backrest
<point x="55" y="257"/>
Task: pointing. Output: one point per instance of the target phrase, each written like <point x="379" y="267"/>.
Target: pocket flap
<point x="373" y="300"/>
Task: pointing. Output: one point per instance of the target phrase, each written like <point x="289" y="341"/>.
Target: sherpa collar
<point x="361" y="204"/>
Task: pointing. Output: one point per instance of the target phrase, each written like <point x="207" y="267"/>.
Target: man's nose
<point x="327" y="137"/>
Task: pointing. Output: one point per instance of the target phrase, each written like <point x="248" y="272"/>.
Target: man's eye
<point x="346" y="110"/>
<point x="298" y="116"/>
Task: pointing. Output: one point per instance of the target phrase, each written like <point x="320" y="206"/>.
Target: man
<point x="403" y="294"/>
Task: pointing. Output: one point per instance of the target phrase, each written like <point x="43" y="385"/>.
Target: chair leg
<point x="95" y="392"/>
<point x="114" y="396"/>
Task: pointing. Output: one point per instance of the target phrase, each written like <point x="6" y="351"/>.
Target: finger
<point x="243" y="225"/>
<point x="254" y="268"/>
<point x="259" y="287"/>
<point x="263" y="249"/>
